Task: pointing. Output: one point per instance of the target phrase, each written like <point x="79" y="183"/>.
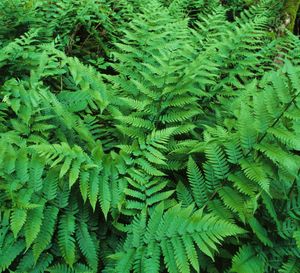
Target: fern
<point x="47" y="229"/>
<point x="65" y="237"/>
<point x="247" y="260"/>
<point x="87" y="244"/>
<point x="148" y="137"/>
<point x="174" y="234"/>
<point x="198" y="183"/>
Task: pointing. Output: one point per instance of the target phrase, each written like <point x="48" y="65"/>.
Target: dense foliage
<point x="148" y="136"/>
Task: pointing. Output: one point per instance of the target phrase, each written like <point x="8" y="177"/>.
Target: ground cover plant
<point x="149" y="136"/>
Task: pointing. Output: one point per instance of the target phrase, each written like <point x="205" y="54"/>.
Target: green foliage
<point x="148" y="137"/>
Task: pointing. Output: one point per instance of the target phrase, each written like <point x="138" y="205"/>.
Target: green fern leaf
<point x="197" y="182"/>
<point x="87" y="245"/>
<point x="291" y="266"/>
<point x="248" y="261"/>
<point x="47" y="229"/>
<point x="180" y="255"/>
<point x="66" y="240"/>
<point x="246" y="131"/>
<point x="33" y="224"/>
<point x="22" y="164"/>
<point x="260" y="231"/>
<point x="74" y="172"/>
<point x="18" y="219"/>
<point x="65" y="167"/>
<point x="104" y="191"/>
<point x="84" y="184"/>
<point x="255" y="172"/>
<point x="36" y="172"/>
<point x="297" y="238"/>
<point x="93" y="188"/>
<point x="9" y="253"/>
<point x="218" y="161"/>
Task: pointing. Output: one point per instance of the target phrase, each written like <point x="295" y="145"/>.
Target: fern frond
<point x="291" y="266"/>
<point x="255" y="172"/>
<point x="46" y="232"/>
<point x="18" y="219"/>
<point x="204" y="230"/>
<point x="247" y="260"/>
<point x="198" y="183"/>
<point x="218" y="161"/>
<point x="87" y="244"/>
<point x="10" y="251"/>
<point x="33" y="225"/>
<point x="66" y="238"/>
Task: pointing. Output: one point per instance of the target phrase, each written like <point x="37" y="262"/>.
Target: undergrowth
<point x="148" y="136"/>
